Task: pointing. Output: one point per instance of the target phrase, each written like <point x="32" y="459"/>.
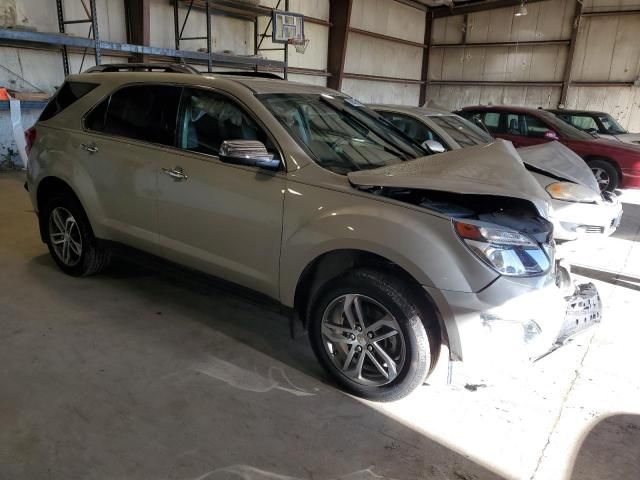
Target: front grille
<point x="593" y="229"/>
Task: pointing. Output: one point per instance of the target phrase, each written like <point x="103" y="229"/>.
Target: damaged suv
<point x="306" y="196"/>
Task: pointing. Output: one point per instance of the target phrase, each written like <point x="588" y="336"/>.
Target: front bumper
<point x="573" y="221"/>
<point x="513" y="322"/>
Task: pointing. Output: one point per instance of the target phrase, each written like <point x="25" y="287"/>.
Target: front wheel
<point x="371" y="332"/>
<point x="606" y="175"/>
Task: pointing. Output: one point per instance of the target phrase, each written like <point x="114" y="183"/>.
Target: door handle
<point x="89" y="147"/>
<point x="176" y="173"/>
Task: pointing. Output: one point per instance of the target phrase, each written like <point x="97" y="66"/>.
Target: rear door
<point x="217" y="217"/>
<point x="126" y="138"/>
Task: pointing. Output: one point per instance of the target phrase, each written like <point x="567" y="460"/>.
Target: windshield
<point x="465" y="133"/>
<point x="611" y="126"/>
<point x="340" y="133"/>
<point x="564" y="129"/>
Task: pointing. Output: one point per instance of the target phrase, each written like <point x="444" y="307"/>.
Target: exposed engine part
<point x="515" y="213"/>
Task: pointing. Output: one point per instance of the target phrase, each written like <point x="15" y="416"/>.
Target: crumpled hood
<point x="560" y="161"/>
<point x="492" y="169"/>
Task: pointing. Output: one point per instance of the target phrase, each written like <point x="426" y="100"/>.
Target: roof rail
<point x="143" y="67"/>
<point x="246" y="73"/>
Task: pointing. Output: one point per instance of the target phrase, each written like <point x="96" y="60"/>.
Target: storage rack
<point x="73" y="43"/>
<point x="249" y="13"/>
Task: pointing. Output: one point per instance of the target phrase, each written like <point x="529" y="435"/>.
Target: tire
<point x="362" y="304"/>
<point x="606" y="175"/>
<point x="69" y="237"/>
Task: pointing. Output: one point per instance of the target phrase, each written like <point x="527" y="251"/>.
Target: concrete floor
<point x="139" y="375"/>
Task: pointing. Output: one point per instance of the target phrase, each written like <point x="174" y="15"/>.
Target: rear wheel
<point x="70" y="239"/>
<point x="372" y="334"/>
<point x="606" y="175"/>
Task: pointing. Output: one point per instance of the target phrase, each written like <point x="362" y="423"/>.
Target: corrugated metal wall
<point x="607" y="50"/>
<point x="373" y="56"/>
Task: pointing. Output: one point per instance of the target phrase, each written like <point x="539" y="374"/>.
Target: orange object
<point x="4" y="95"/>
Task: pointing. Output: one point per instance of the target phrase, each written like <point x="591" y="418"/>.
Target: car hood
<point x="492" y="169"/>
<point x="560" y="161"/>
<point x="612" y="145"/>
<point x="629" y="138"/>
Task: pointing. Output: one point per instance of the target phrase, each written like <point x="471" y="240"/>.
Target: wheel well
<point x="47" y="188"/>
<point x="331" y="265"/>
<point x="613" y="163"/>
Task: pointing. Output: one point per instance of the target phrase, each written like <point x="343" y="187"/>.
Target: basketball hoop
<point x="300" y="44"/>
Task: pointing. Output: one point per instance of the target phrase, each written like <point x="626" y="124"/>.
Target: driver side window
<point x="208" y="118"/>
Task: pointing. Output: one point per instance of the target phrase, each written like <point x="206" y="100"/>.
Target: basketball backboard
<point x="287" y="27"/>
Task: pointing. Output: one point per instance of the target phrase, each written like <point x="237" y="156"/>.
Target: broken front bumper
<point x="584" y="310"/>
<point x="513" y="322"/>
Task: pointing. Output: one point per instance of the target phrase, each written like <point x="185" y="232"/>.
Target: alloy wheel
<point x="363" y="340"/>
<point x="602" y="177"/>
<point x="65" y="237"/>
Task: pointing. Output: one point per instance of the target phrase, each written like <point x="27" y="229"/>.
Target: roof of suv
<point x="255" y="84"/>
<point x="272" y="85"/>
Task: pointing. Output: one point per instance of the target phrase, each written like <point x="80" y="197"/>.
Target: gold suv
<point x="306" y="196"/>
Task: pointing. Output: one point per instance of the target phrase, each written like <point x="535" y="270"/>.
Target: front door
<point x="216" y="217"/>
<point x="525" y="130"/>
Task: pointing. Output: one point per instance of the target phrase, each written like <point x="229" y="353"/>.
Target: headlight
<point x="507" y="251"/>
<point x="572" y="192"/>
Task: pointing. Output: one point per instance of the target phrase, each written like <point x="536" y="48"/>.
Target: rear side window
<point x="140" y="112"/>
<point x="67" y="94"/>
<point x="492" y="121"/>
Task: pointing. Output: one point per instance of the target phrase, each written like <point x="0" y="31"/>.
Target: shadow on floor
<point x="610" y="450"/>
<point x="619" y="279"/>
<point x="144" y="373"/>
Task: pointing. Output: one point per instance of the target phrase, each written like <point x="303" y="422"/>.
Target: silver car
<point x="580" y="210"/>
<point x="311" y="200"/>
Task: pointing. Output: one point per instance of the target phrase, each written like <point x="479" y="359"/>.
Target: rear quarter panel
<point x="51" y="157"/>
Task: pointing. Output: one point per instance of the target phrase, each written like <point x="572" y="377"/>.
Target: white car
<point x="579" y="209"/>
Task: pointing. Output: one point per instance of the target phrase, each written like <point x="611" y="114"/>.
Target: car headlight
<point x="572" y="192"/>
<point x="507" y="251"/>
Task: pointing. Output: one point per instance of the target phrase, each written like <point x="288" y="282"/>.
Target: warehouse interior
<point x="144" y="372"/>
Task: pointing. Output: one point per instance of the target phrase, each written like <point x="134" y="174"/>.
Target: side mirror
<point x="247" y="152"/>
<point x="592" y="131"/>
<point x="551" y="135"/>
<point x="433" y="146"/>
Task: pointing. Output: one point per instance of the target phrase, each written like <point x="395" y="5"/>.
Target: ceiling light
<point x="521" y="11"/>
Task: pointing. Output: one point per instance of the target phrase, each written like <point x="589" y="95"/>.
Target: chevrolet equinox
<point x="306" y="196"/>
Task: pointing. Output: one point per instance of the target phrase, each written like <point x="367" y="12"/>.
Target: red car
<point x="614" y="165"/>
